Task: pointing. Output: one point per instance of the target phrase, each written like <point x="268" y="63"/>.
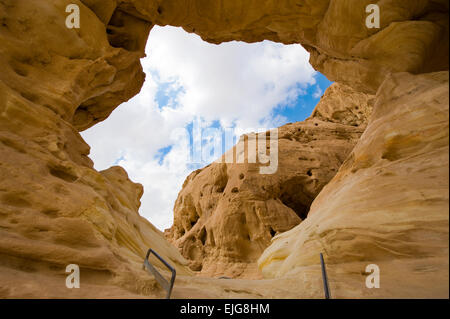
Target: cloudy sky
<point x="233" y="85"/>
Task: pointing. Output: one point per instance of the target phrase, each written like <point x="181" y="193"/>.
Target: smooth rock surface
<point x="388" y="204"/>
<point x="55" y="209"/>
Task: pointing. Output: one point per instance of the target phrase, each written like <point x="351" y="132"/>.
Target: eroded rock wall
<point x="226" y="214"/>
<point x="412" y="36"/>
<point x="55" y="209"/>
<point x="341" y="104"/>
<point x="388" y="204"/>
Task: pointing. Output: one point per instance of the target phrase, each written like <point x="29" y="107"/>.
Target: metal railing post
<point x="324" y="278"/>
<point x="166" y="285"/>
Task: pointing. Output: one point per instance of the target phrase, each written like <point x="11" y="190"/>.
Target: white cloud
<point x="235" y="83"/>
<point x="318" y="93"/>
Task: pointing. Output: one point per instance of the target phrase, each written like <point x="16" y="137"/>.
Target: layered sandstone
<point x="55" y="209"/>
<point x="387" y="204"/>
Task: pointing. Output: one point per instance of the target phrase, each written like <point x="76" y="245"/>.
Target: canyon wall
<point x="387" y="204"/>
<point x="226" y="214"/>
<point x="55" y="209"/>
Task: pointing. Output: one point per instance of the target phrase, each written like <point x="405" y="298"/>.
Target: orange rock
<point x="388" y="203"/>
<point x="227" y="214"/>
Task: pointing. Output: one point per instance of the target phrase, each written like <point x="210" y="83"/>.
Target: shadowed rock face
<point x="227" y="214"/>
<point x="387" y="204"/>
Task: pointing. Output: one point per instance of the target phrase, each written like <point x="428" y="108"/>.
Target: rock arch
<point x="56" y="82"/>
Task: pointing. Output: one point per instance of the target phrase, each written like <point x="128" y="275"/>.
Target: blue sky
<point x="294" y="111"/>
<point x="236" y="85"/>
<point x="297" y="111"/>
<point x="304" y="104"/>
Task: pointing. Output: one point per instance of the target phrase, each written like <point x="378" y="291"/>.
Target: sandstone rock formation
<point x="341" y="104"/>
<point x="412" y="35"/>
<point x="55" y="209"/>
<point x="387" y="204"/>
<point x="226" y="214"/>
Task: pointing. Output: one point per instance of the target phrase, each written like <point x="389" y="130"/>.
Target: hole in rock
<point x="19" y="69"/>
<point x="220" y="189"/>
<point x="272" y="232"/>
<point x="63" y="173"/>
<point x="52" y="213"/>
<point x="127" y="31"/>
<point x="193" y="86"/>
<point x="202" y="236"/>
<point x="30" y="97"/>
<point x="294" y="196"/>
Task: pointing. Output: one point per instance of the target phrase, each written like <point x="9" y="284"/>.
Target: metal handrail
<point x="324" y="278"/>
<point x="168" y="286"/>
